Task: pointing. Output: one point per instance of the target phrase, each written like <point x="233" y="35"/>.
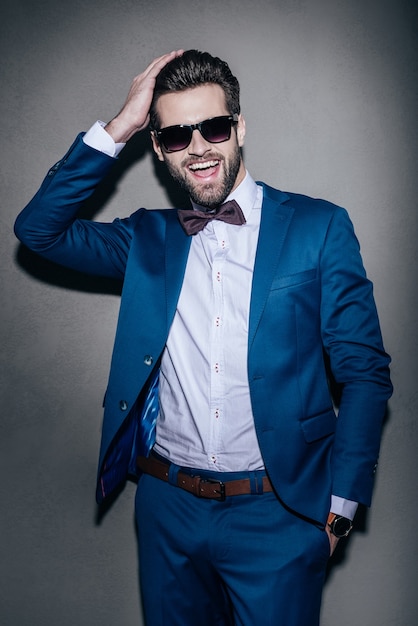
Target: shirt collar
<point x="245" y="194"/>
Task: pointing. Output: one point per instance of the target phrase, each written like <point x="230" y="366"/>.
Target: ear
<point x="241" y="130"/>
<point x="156" y="146"/>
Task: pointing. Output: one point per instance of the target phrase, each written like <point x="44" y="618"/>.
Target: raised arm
<point x="49" y="226"/>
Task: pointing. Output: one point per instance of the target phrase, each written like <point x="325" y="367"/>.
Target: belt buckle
<point x="220" y="493"/>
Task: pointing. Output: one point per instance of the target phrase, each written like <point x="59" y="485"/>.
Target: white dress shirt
<point x="205" y="418"/>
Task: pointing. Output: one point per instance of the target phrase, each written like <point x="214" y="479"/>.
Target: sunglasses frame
<point x="233" y="119"/>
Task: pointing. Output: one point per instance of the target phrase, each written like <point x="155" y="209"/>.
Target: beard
<point x="209" y="195"/>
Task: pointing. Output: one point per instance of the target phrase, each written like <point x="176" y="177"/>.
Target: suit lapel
<point x="152" y="285"/>
<point x="275" y="220"/>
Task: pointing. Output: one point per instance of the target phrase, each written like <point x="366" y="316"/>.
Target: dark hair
<point x="192" y="69"/>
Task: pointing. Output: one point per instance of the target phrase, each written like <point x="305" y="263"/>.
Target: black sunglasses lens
<point x="217" y="129"/>
<point x="176" y="137"/>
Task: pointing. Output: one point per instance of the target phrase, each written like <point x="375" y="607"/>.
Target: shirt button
<point x="148" y="360"/>
<point x="123" y="405"/>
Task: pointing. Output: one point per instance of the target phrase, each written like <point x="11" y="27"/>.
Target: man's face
<point x="207" y="171"/>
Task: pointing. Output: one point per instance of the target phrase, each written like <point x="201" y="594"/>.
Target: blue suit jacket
<point x="311" y="303"/>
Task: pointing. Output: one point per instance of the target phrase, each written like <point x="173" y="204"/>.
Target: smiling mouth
<point x="203" y="166"/>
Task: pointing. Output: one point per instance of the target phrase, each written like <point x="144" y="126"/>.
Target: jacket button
<point x="148" y="360"/>
<point x="123" y="405"/>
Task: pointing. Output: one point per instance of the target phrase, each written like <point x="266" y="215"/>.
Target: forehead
<point x="191" y="105"/>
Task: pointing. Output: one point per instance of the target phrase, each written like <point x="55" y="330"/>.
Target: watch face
<point x="341" y="526"/>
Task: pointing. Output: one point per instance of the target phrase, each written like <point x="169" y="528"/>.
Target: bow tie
<point x="194" y="221"/>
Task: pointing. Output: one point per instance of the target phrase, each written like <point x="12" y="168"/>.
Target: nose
<point x="198" y="145"/>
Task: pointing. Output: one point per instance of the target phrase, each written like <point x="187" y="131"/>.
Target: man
<point x="231" y="317"/>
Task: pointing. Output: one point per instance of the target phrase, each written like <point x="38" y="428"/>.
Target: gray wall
<point x="329" y="90"/>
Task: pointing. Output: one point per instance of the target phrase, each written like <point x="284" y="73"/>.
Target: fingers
<point x="155" y="67"/>
<point x="134" y="115"/>
<point x="333" y="541"/>
<point x="148" y="76"/>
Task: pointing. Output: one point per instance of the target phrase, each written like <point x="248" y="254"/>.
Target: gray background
<point x="329" y="94"/>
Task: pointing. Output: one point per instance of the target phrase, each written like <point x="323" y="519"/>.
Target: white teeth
<point x="203" y="166"/>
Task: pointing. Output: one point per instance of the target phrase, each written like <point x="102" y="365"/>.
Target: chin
<point x="209" y="196"/>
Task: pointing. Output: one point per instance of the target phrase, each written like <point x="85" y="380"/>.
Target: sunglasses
<point x="214" y="130"/>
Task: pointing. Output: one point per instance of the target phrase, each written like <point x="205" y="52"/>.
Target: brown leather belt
<point x="203" y="487"/>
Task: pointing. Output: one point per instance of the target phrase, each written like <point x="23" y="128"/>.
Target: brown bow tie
<point x="194" y="221"/>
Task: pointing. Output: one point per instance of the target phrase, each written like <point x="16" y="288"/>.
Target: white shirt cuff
<point x="100" y="140"/>
<point x="341" y="506"/>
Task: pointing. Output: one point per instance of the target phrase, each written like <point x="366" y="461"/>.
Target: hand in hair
<point x="134" y="115"/>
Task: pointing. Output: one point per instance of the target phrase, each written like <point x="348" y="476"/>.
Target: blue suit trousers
<point x="245" y="561"/>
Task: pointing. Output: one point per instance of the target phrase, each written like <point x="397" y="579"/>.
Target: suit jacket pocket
<point x="293" y="279"/>
<point x="319" y="426"/>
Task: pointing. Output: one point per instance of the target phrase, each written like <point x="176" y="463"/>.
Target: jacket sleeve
<point x="48" y="225"/>
<point x="352" y="339"/>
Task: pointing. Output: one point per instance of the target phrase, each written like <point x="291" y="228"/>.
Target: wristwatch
<point x="339" y="526"/>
